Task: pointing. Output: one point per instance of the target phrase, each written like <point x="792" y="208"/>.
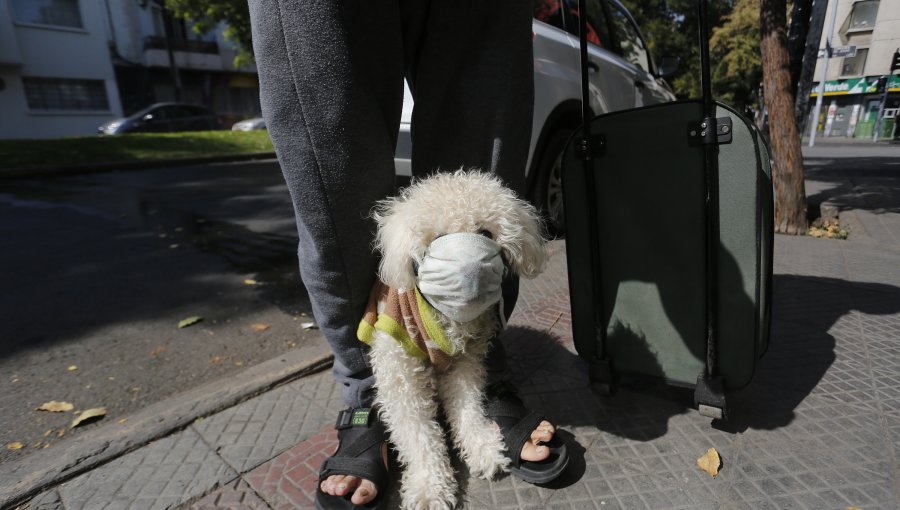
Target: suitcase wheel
<point x="711" y="412"/>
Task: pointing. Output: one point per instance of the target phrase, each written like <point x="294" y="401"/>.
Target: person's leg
<point x="473" y="82"/>
<point x="331" y="89"/>
<point x="472" y="76"/>
<point x="331" y="92"/>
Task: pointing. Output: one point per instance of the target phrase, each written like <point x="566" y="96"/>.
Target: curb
<point x="28" y="477"/>
<point x="53" y="171"/>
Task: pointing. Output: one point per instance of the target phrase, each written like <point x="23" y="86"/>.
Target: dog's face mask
<point x="460" y="275"/>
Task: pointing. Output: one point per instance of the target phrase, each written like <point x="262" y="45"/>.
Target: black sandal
<point x="361" y="436"/>
<point x="517" y="423"/>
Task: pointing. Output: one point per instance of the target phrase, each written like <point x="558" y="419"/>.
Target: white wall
<point x="881" y="42"/>
<point x="57" y="52"/>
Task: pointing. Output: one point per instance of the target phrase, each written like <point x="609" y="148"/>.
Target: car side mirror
<point x="147" y="117"/>
<point x="667" y="67"/>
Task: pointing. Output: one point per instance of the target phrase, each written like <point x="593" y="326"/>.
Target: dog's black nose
<point x="486" y="233"/>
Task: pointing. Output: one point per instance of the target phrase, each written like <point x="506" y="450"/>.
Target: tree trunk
<point x="787" y="161"/>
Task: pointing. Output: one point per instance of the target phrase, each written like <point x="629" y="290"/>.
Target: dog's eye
<point x="486" y="233"/>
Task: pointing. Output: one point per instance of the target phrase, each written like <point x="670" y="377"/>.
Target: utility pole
<point x="815" y="120"/>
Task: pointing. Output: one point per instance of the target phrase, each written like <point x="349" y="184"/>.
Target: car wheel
<point x="548" y="195"/>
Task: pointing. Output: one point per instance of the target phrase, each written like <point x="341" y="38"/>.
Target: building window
<point x="62" y="13"/>
<point x="65" y="94"/>
<point x="854" y="66"/>
<point x="863" y="15"/>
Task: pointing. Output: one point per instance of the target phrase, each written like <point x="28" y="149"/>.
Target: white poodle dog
<point x="444" y="235"/>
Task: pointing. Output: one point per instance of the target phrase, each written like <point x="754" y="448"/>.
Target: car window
<point x="633" y="48"/>
<point x="598" y="31"/>
<point x="548" y="11"/>
<point x="196" y="111"/>
<point x="166" y="112"/>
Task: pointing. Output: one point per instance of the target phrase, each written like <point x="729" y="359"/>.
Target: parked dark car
<point x="164" y="118"/>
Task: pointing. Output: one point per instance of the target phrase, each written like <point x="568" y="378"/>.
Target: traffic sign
<point x="840" y="51"/>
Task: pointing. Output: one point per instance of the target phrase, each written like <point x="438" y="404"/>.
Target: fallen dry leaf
<point x="308" y="325"/>
<point x="55" y="407"/>
<point x="216" y="360"/>
<point x="48" y="432"/>
<point x="73" y="368"/>
<point x="190" y="321"/>
<point x="90" y="414"/>
<point x="259" y="327"/>
<point x="711" y="462"/>
<point x="123" y="420"/>
<point x="159" y="350"/>
<point x="250" y="281"/>
<point x="15" y="445"/>
<point x="61" y="433"/>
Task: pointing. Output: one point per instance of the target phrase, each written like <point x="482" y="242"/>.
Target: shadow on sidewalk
<point x="810" y="330"/>
<point x="874" y="184"/>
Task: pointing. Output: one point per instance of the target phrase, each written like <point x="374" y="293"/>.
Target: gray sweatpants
<point x="331" y="86"/>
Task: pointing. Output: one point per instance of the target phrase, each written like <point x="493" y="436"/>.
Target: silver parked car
<point x="623" y="75"/>
<point x="249" y="124"/>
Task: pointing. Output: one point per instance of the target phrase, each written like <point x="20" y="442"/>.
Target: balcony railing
<point x="158" y="42"/>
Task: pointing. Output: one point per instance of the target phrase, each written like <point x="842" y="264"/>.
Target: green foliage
<point x="206" y="14"/>
<point x="671" y="29"/>
<point x="734" y="49"/>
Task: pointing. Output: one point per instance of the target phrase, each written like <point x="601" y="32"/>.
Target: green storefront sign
<point x="856" y="86"/>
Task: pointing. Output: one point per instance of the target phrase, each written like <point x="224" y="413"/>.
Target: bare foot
<point x="533" y="449"/>
<point x="363" y="490"/>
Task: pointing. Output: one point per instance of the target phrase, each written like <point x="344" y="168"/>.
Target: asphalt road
<point x="98" y="270"/>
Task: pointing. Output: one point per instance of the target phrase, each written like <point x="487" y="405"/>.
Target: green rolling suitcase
<point x="669" y="231"/>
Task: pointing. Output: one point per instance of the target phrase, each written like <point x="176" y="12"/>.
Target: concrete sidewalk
<point x="818" y="428"/>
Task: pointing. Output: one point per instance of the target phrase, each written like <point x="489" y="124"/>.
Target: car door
<point x="633" y="50"/>
<point x="611" y="78"/>
<point x="156" y="120"/>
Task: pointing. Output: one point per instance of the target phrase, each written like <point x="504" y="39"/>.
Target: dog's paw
<point x="419" y="493"/>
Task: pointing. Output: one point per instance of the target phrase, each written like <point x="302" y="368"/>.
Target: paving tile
<point x="261" y="428"/>
<point x="236" y="495"/>
<point x="817" y="428"/>
<point x="289" y="480"/>
<point x="164" y="474"/>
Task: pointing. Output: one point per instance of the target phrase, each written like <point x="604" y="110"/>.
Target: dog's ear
<point x="396" y="240"/>
<point x="523" y="240"/>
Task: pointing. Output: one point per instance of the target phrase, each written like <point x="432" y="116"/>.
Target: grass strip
<point x="89" y="150"/>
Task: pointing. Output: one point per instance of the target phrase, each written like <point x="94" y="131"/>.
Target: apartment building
<point x="856" y="83"/>
<point x="68" y="66"/>
<point x="56" y="77"/>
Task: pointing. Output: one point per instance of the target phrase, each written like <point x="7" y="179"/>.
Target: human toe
<point x="533" y="452"/>
<point x="364" y="493"/>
